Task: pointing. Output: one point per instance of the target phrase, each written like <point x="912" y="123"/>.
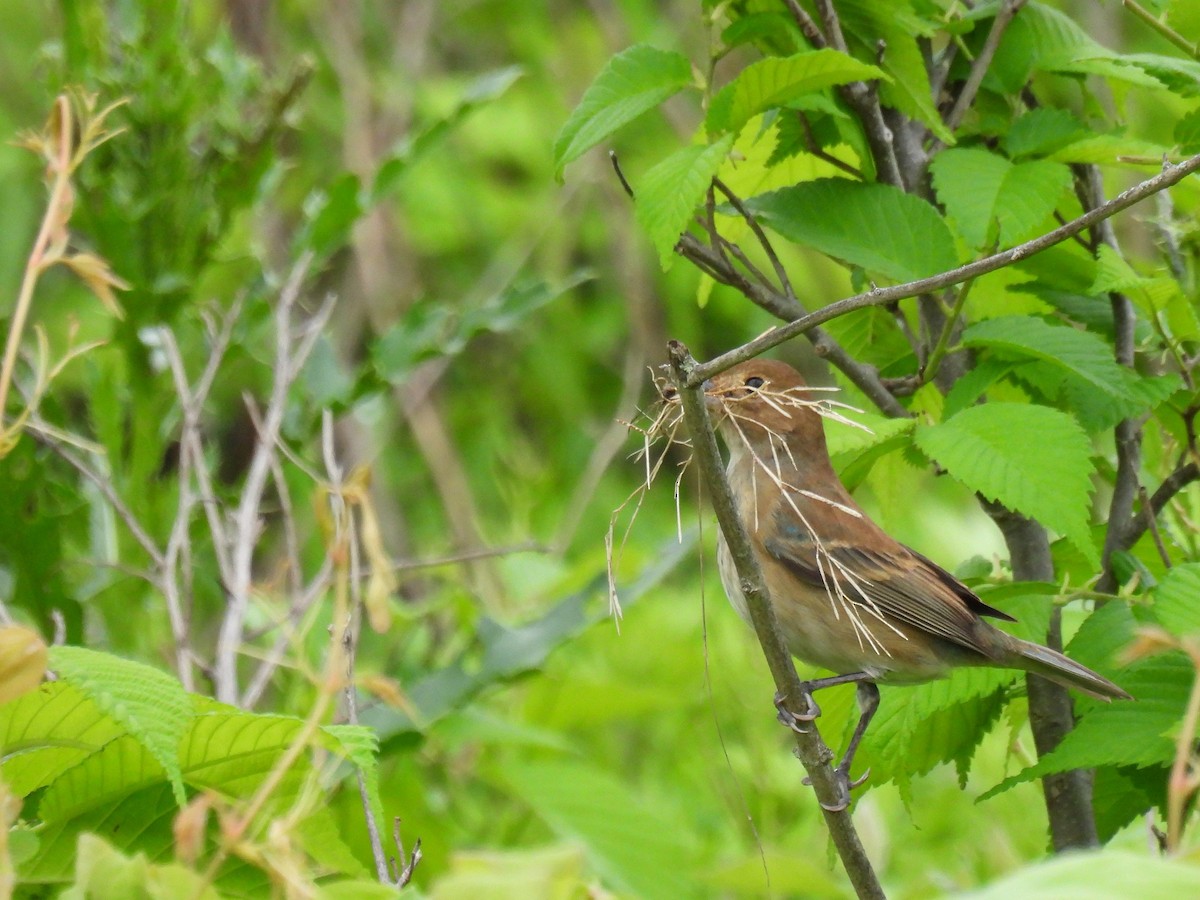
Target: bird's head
<point x="764" y="398"/>
<point x="760" y="402"/>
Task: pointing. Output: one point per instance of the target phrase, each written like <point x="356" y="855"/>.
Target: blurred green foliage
<point x="491" y="325"/>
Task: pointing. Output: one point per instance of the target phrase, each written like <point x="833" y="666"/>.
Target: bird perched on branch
<point x="848" y="597"/>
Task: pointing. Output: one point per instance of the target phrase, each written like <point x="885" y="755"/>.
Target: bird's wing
<point x="898" y="582"/>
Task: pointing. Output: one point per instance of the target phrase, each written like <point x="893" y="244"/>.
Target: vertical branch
<point x="1068" y="794"/>
<point x="243" y="536"/>
<point x="811" y="750"/>
<point x="982" y="63"/>
<point x="1127" y="485"/>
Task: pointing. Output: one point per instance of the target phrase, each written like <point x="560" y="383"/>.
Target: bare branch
<point x="289" y="357"/>
<point x="982" y="63"/>
<point x="809" y="28"/>
<point x="879" y="296"/>
<point x="749" y="218"/>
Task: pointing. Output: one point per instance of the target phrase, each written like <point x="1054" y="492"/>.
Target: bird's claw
<point x="860" y="780"/>
<point x="844" y="784"/>
<point x="796" y="720"/>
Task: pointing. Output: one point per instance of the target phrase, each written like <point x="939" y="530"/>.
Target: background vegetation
<point x="359" y="413"/>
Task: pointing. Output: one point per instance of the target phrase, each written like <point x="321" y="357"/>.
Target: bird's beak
<point x="711" y="399"/>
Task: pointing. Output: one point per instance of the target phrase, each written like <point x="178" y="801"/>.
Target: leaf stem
<point x="929" y="372"/>
<point x="1191" y="49"/>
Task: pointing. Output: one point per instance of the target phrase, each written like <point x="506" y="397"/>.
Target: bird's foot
<point x="845" y="785"/>
<point x="797" y="720"/>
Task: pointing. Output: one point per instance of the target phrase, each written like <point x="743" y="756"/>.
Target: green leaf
<point x="1181" y="76"/>
<point x="1032" y="459"/>
<point x="629" y="840"/>
<point x="876" y="226"/>
<point x="103" y="873"/>
<point x="920" y="727"/>
<point x="1043" y="39"/>
<point x="899" y="28"/>
<point x="1123" y="733"/>
<point x="972" y="385"/>
<point x="668" y="194"/>
<point x="777" y="81"/>
<point x="33" y="730"/>
<point x="1107" y="874"/>
<point x="1106" y="149"/>
<point x="1160" y="297"/>
<point x="1187" y="132"/>
<point x="1184" y="17"/>
<point x="151" y="704"/>
<point x="1042" y="131"/>
<point x="1175" y="605"/>
<point x="980" y="190"/>
<point x="1079" y="352"/>
<point x="1099" y="411"/>
<point x="634" y="81"/>
<point x="854" y="451"/>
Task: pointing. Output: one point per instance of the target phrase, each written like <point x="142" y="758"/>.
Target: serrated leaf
<point x="933" y="723"/>
<point x="34" y="730"/>
<point x="777" y="81"/>
<point x="981" y="191"/>
<point x="1122" y="733"/>
<point x="875" y="226"/>
<point x="1105" y="149"/>
<point x="1040" y="131"/>
<point x="972" y="385"/>
<point x="1030" y="458"/>
<point x="1187" y="132"/>
<point x="1078" y="352"/>
<point x="118" y="769"/>
<point x="1098" y="411"/>
<point x="1043" y="39"/>
<point x="1175" y="600"/>
<point x="151" y="704"/>
<point x="360" y="745"/>
<point x="1161" y="298"/>
<point x="668" y="194"/>
<point x="1181" y="76"/>
<point x="634" y="81"/>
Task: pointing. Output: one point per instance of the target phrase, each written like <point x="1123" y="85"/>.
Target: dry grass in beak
<point x="846" y="590"/>
<point x="659" y="427"/>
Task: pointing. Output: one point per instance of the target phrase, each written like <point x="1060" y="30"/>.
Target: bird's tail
<point x="1060" y="669"/>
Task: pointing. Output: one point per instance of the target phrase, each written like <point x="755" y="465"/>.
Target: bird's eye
<point x="754" y="382"/>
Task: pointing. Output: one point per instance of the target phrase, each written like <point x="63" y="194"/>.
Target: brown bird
<point x="848" y="597"/>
